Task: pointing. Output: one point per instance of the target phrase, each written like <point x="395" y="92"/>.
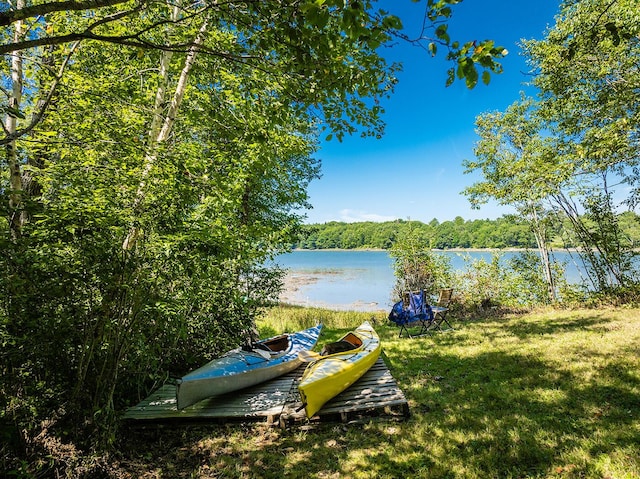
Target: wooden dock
<point x="278" y="401"/>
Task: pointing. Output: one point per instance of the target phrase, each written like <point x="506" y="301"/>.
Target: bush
<point x="416" y="267"/>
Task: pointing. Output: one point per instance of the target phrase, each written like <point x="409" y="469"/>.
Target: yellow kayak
<point x="337" y="367"/>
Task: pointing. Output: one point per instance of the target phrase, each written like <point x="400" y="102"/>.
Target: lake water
<point x="359" y="280"/>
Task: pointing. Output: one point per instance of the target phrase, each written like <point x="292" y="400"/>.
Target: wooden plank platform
<point x="278" y="400"/>
<point x="374" y="393"/>
<point x="262" y="402"/>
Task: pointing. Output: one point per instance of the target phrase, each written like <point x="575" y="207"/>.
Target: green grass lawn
<point x="547" y="394"/>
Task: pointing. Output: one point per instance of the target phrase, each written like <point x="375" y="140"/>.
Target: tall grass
<point x="551" y="394"/>
<point x="285" y="318"/>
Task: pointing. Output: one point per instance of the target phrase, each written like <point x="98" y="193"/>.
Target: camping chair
<point x="412" y="310"/>
<point x="441" y="309"/>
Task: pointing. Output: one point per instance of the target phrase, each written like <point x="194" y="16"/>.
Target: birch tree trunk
<point x="159" y="135"/>
<point x="543" y="248"/>
<point x="161" y="93"/>
<point x="16" y="217"/>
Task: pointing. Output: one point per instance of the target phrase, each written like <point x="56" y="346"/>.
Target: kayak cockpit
<point x="276" y="345"/>
<point x="271" y="347"/>
<point x="347" y="343"/>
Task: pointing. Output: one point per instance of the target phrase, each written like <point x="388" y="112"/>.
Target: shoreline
<point x="300" y="283"/>
<point x="295" y="281"/>
<point x="437" y="250"/>
<point x="452" y="250"/>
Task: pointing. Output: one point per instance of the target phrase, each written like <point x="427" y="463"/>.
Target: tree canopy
<point x="572" y="152"/>
<point x="306" y="41"/>
<point x="156" y="154"/>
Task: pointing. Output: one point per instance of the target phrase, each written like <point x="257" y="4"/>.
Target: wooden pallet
<point x="278" y="400"/>
<point x="263" y="402"/>
<point x="374" y="393"/>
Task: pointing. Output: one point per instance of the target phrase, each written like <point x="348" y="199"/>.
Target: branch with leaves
<point x="15" y="15"/>
<point x="41" y="107"/>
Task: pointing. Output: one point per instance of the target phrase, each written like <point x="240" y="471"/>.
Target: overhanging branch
<point x="12" y="16"/>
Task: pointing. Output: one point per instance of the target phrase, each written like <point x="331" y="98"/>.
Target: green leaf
<point x="392" y="22"/>
<point x="451" y="76"/>
<point x="471" y="75"/>
<point x="486" y="77"/>
<point x="441" y="33"/>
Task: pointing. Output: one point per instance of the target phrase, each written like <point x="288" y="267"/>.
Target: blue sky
<point x="415" y="171"/>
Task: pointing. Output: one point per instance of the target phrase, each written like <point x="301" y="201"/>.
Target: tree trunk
<point x="160" y="135"/>
<point x="543" y="248"/>
<point x="596" y="259"/>
<point x="16" y="214"/>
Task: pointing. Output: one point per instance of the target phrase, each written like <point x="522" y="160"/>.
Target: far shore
<point x="298" y="282"/>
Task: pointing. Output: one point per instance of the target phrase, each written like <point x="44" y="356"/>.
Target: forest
<point x="157" y="154"/>
<point x="504" y="232"/>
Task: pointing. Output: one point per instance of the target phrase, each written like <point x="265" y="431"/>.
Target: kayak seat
<point x="353" y="339"/>
<point x="337" y="347"/>
<point x="279" y="343"/>
<point x="412" y="310"/>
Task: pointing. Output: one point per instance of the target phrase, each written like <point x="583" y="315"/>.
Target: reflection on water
<point x="364" y="280"/>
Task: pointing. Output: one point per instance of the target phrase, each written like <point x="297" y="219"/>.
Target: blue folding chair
<point x="412" y="310"/>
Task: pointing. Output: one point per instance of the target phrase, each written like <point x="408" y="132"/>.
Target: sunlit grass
<point x="284" y="318"/>
<point x="551" y="394"/>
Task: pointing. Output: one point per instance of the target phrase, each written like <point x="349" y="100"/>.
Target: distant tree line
<point x="508" y="231"/>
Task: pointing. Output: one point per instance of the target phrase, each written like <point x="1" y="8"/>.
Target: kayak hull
<point x="238" y="369"/>
<point x="329" y="375"/>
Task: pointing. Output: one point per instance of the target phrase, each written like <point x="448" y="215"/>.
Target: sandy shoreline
<point x="293" y="281"/>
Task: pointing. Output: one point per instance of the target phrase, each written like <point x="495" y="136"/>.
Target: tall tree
<point x="587" y="71"/>
<point x="577" y="147"/>
<point x="12" y="110"/>
<point x="512" y="156"/>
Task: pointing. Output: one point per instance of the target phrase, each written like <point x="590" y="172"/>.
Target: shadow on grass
<point x="524" y="329"/>
<point x="505" y="414"/>
<point x="496" y="415"/>
<point x="483" y="404"/>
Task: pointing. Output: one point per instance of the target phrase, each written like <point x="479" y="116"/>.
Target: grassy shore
<point x="551" y="394"/>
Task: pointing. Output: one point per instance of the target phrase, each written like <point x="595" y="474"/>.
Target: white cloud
<point x="354" y="216"/>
